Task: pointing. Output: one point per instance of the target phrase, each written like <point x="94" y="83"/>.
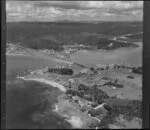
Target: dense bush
<point x="107" y="107"/>
<point x="62" y="71"/>
<point x="98" y="95"/>
<point x="95" y="94"/>
<point x="41" y="43"/>
<point x="130" y="77"/>
<point x="93" y="112"/>
<point x="115" y="107"/>
<point x="129" y="109"/>
<point x="90" y="93"/>
<point x="72" y="92"/>
<point x="137" y="70"/>
<point x="83" y="87"/>
<point x="114" y="84"/>
<point x="92" y="69"/>
<point x="105" y="78"/>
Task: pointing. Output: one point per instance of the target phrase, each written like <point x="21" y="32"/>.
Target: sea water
<point x="29" y="104"/>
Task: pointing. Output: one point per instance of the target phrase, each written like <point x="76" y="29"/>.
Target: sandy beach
<point x="42" y="80"/>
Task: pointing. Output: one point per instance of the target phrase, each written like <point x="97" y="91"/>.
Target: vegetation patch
<point x="136" y="36"/>
<point x="89" y="93"/>
<point x="137" y="70"/>
<point x="130" y="77"/>
<point x="113" y="84"/>
<point x="115" y="107"/>
<point x="53" y="35"/>
<point x="62" y="71"/>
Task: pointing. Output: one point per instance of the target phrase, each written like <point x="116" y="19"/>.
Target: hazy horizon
<point x="76" y="11"/>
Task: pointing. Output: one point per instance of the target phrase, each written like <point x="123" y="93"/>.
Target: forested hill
<point x="38" y="35"/>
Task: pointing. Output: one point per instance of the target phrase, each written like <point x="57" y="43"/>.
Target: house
<point x="71" y="81"/>
<point x="85" y="71"/>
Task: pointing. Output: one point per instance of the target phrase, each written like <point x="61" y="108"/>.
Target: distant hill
<point x="41" y="35"/>
<point x="136" y="36"/>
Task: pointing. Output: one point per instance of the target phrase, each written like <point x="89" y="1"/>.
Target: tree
<point x="92" y="69"/>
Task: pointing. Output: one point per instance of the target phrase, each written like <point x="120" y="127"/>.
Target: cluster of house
<point x="105" y="66"/>
<point x="17" y="48"/>
<point x="47" y="51"/>
<point x="13" y="47"/>
<point x="37" y="72"/>
<point x="135" y="69"/>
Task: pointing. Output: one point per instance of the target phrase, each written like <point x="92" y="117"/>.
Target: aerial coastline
<point x="91" y="96"/>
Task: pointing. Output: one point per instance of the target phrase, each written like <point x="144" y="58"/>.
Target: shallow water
<point x="130" y="56"/>
<point x="16" y="62"/>
<point x="29" y="103"/>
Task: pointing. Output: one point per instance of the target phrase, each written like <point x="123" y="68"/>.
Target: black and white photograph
<point x="74" y="64"/>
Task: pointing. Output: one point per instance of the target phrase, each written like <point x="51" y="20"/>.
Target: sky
<point x="74" y="10"/>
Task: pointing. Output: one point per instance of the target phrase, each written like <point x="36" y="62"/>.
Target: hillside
<point x="53" y="35"/>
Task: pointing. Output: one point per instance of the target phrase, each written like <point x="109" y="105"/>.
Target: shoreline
<point x="75" y="121"/>
<point x="42" y="80"/>
<point x="55" y="59"/>
<point x="72" y="114"/>
<point x="17" y="54"/>
<point x="67" y="61"/>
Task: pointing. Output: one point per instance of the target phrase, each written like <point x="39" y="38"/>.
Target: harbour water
<point x="130" y="56"/>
